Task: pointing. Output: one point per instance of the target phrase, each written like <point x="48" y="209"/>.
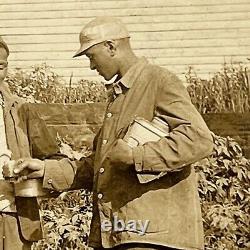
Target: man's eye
<point x="3" y="66"/>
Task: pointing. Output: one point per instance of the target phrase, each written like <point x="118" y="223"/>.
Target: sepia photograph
<point x="124" y="125"/>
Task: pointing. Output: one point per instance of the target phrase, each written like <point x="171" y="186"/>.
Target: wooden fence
<point x="79" y="122"/>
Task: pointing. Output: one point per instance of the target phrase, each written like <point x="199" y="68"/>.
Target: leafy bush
<point x="41" y="84"/>
<point x="66" y="221"/>
<point x="227" y="91"/>
<point x="224" y="190"/>
<point x="224" y="176"/>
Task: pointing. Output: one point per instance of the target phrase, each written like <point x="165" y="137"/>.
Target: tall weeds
<point x="42" y="84"/>
<point x="226" y="92"/>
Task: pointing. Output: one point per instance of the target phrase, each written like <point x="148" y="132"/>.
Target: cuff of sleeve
<point x="54" y="176"/>
<point x="58" y="175"/>
<point x="138" y="158"/>
<point x="49" y="171"/>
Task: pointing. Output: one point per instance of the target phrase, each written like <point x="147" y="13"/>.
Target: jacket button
<point x="50" y="181"/>
<point x="100" y="196"/>
<point x="101" y="170"/>
<point x="104" y="142"/>
<point x="109" y="115"/>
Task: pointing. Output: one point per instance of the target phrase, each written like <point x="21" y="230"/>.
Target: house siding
<point x="175" y="34"/>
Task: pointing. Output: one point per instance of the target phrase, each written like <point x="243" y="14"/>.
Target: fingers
<point x="8" y="168"/>
<point x="34" y="175"/>
<point x="19" y="161"/>
<point x="7" y="172"/>
<point x="21" y="178"/>
<point x="31" y="168"/>
<point x="21" y="164"/>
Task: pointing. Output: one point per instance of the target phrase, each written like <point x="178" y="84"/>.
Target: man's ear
<point x="111" y="46"/>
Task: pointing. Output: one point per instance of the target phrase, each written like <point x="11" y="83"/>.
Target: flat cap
<point x="99" y="30"/>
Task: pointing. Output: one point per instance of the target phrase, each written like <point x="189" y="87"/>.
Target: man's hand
<point x="4" y="159"/>
<point x="30" y="168"/>
<point x="121" y="153"/>
<point x="5" y="156"/>
<point x="8" y="168"/>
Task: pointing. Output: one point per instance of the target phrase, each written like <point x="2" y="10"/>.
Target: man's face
<point x="102" y="61"/>
<point x="3" y="64"/>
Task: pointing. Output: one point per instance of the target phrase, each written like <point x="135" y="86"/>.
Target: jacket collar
<point x="130" y="77"/>
<point x="9" y="98"/>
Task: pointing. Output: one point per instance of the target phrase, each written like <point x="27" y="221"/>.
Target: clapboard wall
<point x="171" y="33"/>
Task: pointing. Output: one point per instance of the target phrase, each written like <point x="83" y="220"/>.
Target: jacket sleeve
<point x="189" y="139"/>
<point x="65" y="174"/>
<point x="60" y="172"/>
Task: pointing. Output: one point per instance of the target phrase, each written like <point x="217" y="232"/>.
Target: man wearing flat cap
<point x="144" y="197"/>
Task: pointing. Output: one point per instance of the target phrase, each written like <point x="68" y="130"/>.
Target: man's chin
<point x="102" y="75"/>
<point x="107" y="78"/>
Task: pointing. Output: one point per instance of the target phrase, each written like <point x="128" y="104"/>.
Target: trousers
<point x="10" y="235"/>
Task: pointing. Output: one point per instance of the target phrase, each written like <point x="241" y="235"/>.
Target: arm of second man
<point x="189" y="139"/>
<point x="61" y="173"/>
<point x="58" y="175"/>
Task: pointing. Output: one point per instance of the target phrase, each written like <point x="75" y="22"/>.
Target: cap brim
<point x="80" y="52"/>
<point x="86" y="46"/>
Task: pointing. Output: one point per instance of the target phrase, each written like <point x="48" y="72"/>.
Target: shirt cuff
<point x="138" y="158"/>
<point x="48" y="174"/>
<point x="56" y="177"/>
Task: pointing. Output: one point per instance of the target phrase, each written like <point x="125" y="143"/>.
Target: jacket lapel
<point x="128" y="107"/>
<point x="17" y="139"/>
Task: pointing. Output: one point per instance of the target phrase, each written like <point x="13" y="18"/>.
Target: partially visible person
<point x="132" y="209"/>
<point x="22" y="135"/>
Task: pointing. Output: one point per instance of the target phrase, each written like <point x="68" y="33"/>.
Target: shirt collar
<point x="5" y="91"/>
<point x="9" y="99"/>
<point x="130" y="77"/>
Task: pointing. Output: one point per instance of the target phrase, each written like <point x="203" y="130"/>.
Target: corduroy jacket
<point x="170" y="203"/>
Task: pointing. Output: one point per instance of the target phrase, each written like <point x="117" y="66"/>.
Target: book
<point x="142" y="131"/>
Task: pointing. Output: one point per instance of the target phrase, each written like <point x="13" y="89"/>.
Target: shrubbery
<point x="224" y="190"/>
<point x="42" y="84"/>
<point x="223" y="177"/>
<point x="66" y="221"/>
<point x="228" y="90"/>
